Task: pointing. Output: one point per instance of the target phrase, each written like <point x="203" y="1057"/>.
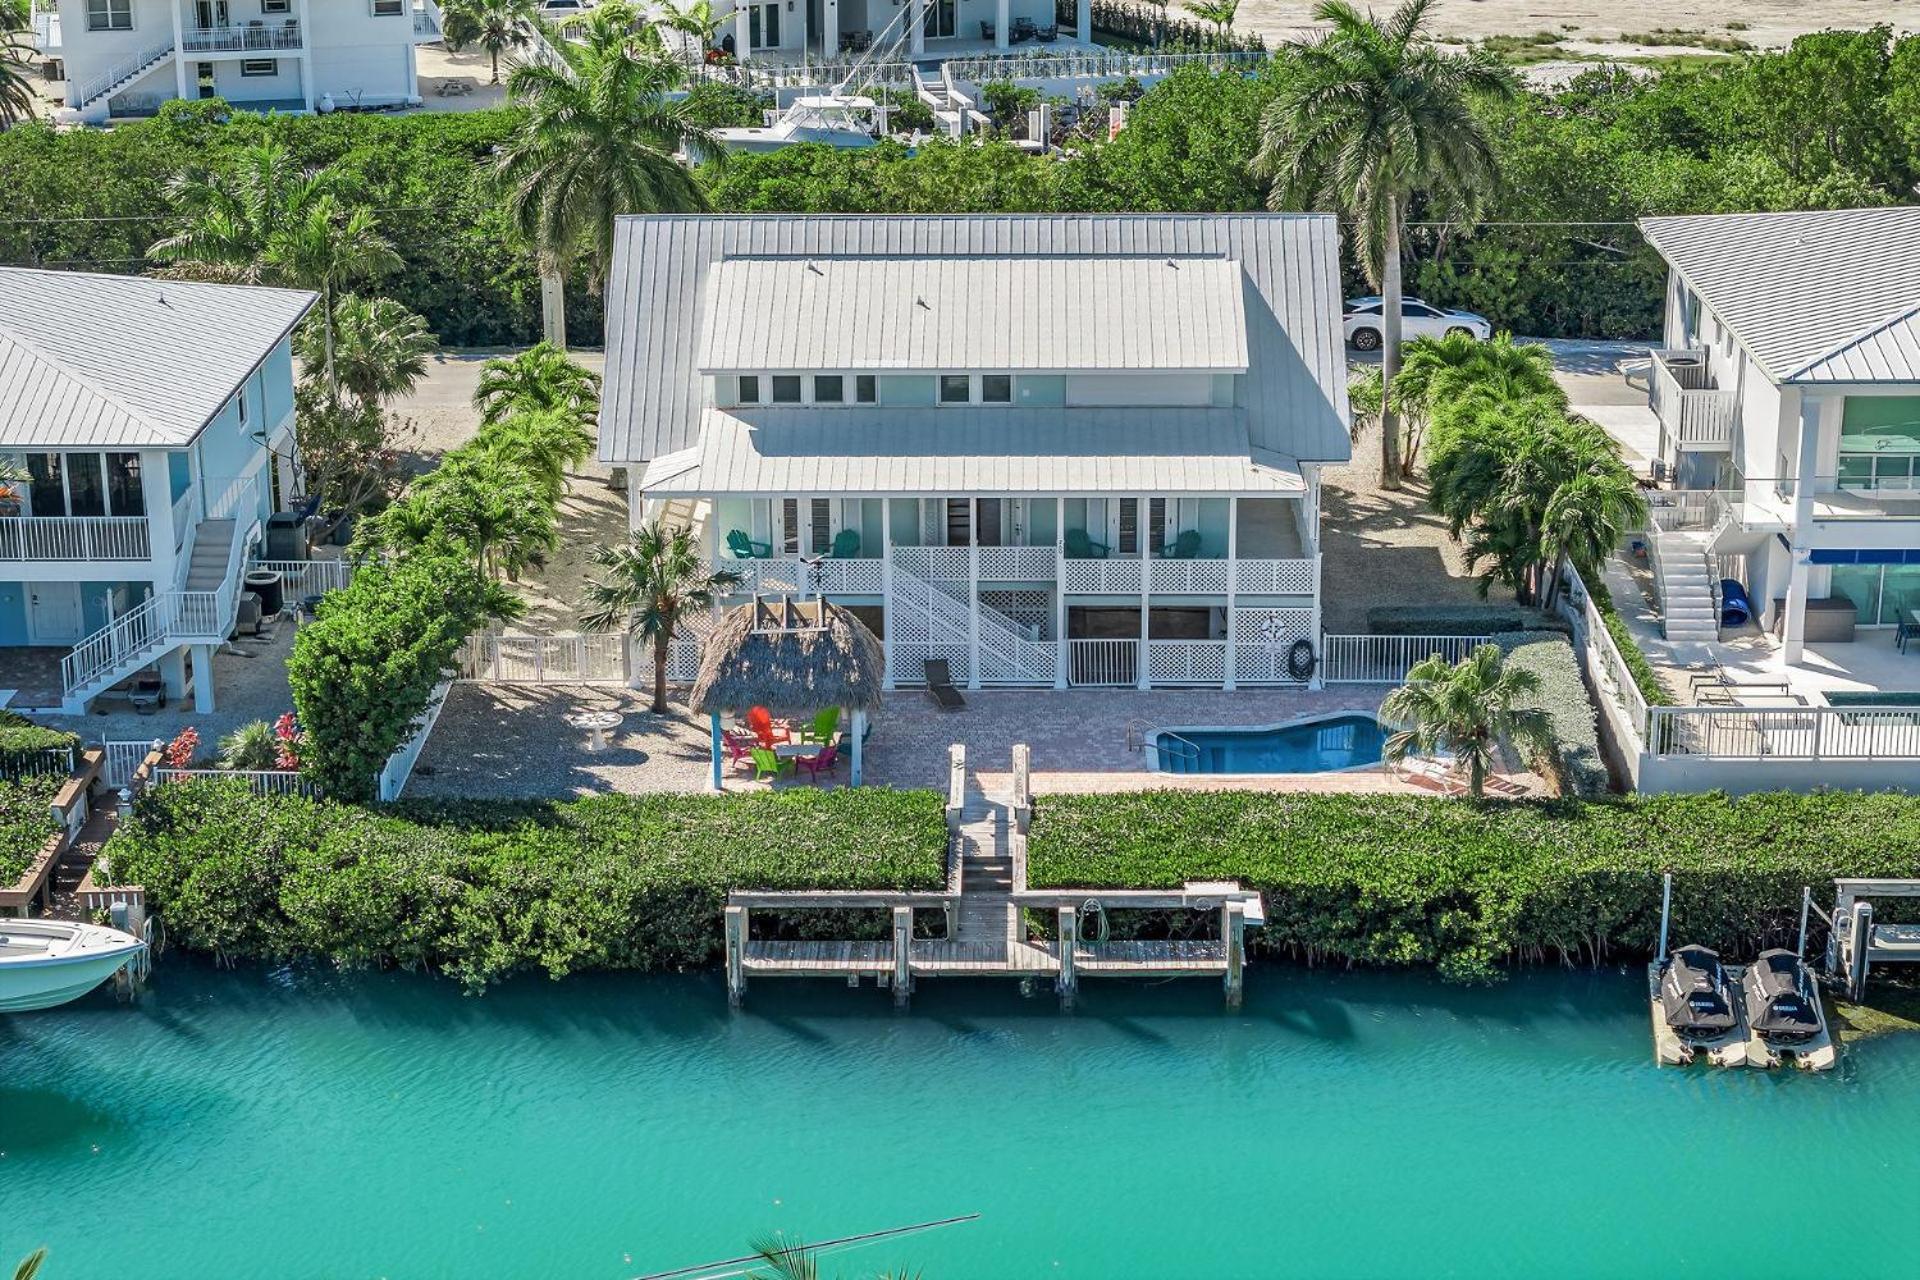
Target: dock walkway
<point x="983" y="908"/>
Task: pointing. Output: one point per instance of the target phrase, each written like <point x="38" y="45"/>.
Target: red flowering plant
<point x="288" y="737"/>
<point x="180" y="752"/>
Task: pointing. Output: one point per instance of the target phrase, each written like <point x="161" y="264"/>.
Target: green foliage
<point x="483" y="889"/>
<point x="19" y="734"/>
<point x="1469" y="710"/>
<point x="363" y="672"/>
<point x="251" y="746"/>
<point x="646" y="584"/>
<point x="1455" y="620"/>
<point x="1408" y="880"/>
<point x="25" y="822"/>
<point x="1644" y="677"/>
<point x="1573" y="759"/>
<point x="712" y="104"/>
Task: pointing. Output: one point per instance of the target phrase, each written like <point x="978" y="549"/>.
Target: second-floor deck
<point x="1695" y="412"/>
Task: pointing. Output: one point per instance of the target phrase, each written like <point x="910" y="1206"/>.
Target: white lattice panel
<point x="1275" y="577"/>
<point x="1186" y="661"/>
<point x="1017" y="564"/>
<point x="1102" y="577"/>
<point x="1190" y="577"/>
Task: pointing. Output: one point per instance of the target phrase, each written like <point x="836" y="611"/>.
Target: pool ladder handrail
<point x="1167" y="735"/>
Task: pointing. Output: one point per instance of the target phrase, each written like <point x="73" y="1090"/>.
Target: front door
<point x="53" y="612"/>
<point x="763" y="26"/>
<point x="210" y="13"/>
<point x="207" y="89"/>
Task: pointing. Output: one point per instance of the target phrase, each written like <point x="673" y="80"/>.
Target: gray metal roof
<point x="972" y="450"/>
<point x="1294" y="393"/>
<point x="1823" y="296"/>
<point x="126" y="361"/>
<point x="1031" y="314"/>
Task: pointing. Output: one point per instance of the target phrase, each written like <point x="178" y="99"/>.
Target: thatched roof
<point x="790" y="657"/>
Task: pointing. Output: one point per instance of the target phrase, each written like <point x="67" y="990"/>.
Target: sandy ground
<point x="1595" y="26"/>
<point x="472" y="67"/>
<point x="442" y="413"/>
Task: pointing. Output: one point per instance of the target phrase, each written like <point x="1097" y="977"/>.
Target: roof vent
<point x="814" y="267"/>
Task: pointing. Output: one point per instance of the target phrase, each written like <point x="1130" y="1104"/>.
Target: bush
<point x="252" y="746"/>
<point x="1393" y="880"/>
<point x="1645" y="678"/>
<point x="1577" y="765"/>
<point x="26" y="820"/>
<point x="483" y="889"/>
<point x="1458" y="620"/>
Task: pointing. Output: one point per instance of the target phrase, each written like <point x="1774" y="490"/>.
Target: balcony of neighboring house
<point x="1695" y="412"/>
<point x="427" y="22"/>
<point x="76" y="507"/>
<point x="254" y="36"/>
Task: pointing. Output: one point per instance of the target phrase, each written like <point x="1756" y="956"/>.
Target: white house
<point x="1052" y="451"/>
<point x="124" y="58"/>
<point x="154" y="422"/>
<point x="786" y="30"/>
<point x="1788" y="394"/>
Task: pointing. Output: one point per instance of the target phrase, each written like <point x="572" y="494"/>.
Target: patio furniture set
<point x="1023" y="30"/>
<point x="769" y="747"/>
<point x="1185" y="546"/>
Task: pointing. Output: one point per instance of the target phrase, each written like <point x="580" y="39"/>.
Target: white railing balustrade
<point x="1786" y="733"/>
<point x="1695" y="414"/>
<point x="1189" y="577"/>
<point x="257" y="35"/>
<point x="232" y="498"/>
<point x="1075" y="64"/>
<point x="122" y="759"/>
<point x="265" y="782"/>
<point x="568" y="658"/>
<point x="1113" y="664"/>
<point x="1101" y="577"/>
<point x="1387" y="659"/>
<point x="74" y="538"/>
<point x="1016" y="564"/>
<point x="1275" y="577"/>
<point x="1186" y="661"/>
<point x="185" y="508"/>
<point x="307" y="577"/>
<point x="120" y="74"/>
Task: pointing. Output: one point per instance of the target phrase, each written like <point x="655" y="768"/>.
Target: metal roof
<point x="1821" y="296"/>
<point x="126" y="361"/>
<point x="1294" y="392"/>
<point x="1030" y="314"/>
<point x="972" y="450"/>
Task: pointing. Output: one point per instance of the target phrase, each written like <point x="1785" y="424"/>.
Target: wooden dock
<point x="982" y="909"/>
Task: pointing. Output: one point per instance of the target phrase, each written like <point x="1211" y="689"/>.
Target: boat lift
<point x="1855" y="943"/>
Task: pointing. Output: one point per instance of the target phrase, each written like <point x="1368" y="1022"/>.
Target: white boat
<point x="44" y="963"/>
<point x="839" y="120"/>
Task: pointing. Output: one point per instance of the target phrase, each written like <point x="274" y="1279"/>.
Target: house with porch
<point x="1050" y="451"/>
<point x="919" y="29"/>
<point x="1788" y="396"/>
<point x="122" y="59"/>
<point x="151" y="424"/>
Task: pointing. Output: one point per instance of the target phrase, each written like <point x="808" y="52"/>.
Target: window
<point x="956" y="388"/>
<point x="1418" y="311"/>
<point x="1129" y="538"/>
<point x="86" y="484"/>
<point x="49" y="484"/>
<point x="996" y="388"/>
<point x="749" y="388"/>
<point x="241" y="401"/>
<point x="259" y="67"/>
<point x="863" y="388"/>
<point x="828" y="389"/>
<point x="86" y="490"/>
<point x="389" y="8"/>
<point x="125" y="497"/>
<point x="786" y="388"/>
<point x="276" y="6"/>
<point x="109" y="15"/>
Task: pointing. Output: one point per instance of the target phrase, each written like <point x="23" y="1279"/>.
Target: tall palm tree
<point x="600" y="138"/>
<point x="380" y="348"/>
<point x="16" y="51"/>
<point x="498" y="26"/>
<point x="1468" y="711"/>
<point x="1219" y="12"/>
<point x="1370" y="116"/>
<point x="502" y="514"/>
<point x="545" y="445"/>
<point x="647" y="583"/>
<point x="542" y="379"/>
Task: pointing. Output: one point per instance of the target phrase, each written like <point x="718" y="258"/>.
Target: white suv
<point x="1418" y="319"/>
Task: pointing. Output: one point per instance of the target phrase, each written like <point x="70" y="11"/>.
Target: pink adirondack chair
<point x="820" y="763"/>
<point x="739" y="749"/>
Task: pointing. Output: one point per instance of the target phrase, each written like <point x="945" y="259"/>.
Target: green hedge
<point x="1393" y="880"/>
<point x="18" y="734"/>
<point x="1457" y="620"/>
<point x="1577" y="765"/>
<point x="483" y="889"/>
<point x="25" y="822"/>
<point x="1644" y="677"/>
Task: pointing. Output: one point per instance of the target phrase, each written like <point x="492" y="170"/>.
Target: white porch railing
<point x="172" y="617"/>
<point x="426" y="20"/>
<point x="265" y="782"/>
<point x="1017" y="564"/>
<point x="1101" y="577"/>
<point x="257" y="35"/>
<point x="1186" y="661"/>
<point x="1693" y="413"/>
<point x="567" y="658"/>
<point x="1785" y="733"/>
<point x="185" y="509"/>
<point x="1111" y="664"/>
<point x="122" y="758"/>
<point x="1275" y="577"/>
<point x="1188" y="577"/>
<point x="1387" y="659"/>
<point x="74" y="538"/>
<point x="1615" y="678"/>
<point x="308" y="577"/>
<point x="791" y="575"/>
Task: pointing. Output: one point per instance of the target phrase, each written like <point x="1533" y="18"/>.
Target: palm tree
<point x="648" y="582"/>
<point x="600" y="138"/>
<point x="1365" y="396"/>
<point x="498" y="26"/>
<point x="380" y="348"/>
<point x="1450" y="370"/>
<point x="1595" y="500"/>
<point x="545" y="445"/>
<point x="1467" y="711"/>
<point x="1369" y="116"/>
<point x="1219" y="12"/>
<point x="502" y="514"/>
<point x="16" y="95"/>
<point x="697" y="20"/>
<point x="540" y="378"/>
<point x="798" y="1261"/>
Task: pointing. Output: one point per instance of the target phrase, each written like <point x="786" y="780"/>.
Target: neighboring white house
<point x="816" y="29"/>
<point x="154" y="421"/>
<point x="1049" y="450"/>
<point x="1788" y="394"/>
<point x="124" y="58"/>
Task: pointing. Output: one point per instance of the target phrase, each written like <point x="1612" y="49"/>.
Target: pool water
<point x="304" y="1124"/>
<point x="1312" y="746"/>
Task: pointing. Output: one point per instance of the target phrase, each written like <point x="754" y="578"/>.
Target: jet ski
<point x="1780" y="998"/>
<point x="1696" y="996"/>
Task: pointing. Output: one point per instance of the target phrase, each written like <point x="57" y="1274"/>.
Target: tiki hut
<point x="793" y="657"/>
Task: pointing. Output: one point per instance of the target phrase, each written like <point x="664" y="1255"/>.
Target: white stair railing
<point x="121" y="74"/>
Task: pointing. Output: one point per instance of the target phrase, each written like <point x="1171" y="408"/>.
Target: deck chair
<point x="846" y="545"/>
<point x="741" y="547"/>
<point x="825" y="724"/>
<point x="1081" y="547"/>
<point x="766" y="764"/>
<point x="940" y="686"/>
<point x="1184" y="547"/>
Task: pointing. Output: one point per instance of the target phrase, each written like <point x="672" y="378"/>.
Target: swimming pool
<point x="1322" y="745"/>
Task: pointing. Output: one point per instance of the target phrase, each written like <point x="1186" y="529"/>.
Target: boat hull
<point x="44" y="981"/>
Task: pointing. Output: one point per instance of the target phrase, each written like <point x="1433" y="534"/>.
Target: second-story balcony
<point x="1695" y="412"/>
<point x="77" y="538"/>
<point x="257" y="36"/>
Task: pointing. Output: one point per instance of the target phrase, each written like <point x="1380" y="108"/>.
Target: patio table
<point x="799" y="750"/>
<point x="597" y="724"/>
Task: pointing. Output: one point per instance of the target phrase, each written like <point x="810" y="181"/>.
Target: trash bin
<point x="287" y="536"/>
<point x="267" y="584"/>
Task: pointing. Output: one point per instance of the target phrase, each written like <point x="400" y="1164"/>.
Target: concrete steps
<point x="1685" y="584"/>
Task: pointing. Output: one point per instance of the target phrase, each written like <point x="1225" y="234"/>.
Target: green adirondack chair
<point x="766" y="764"/>
<point x="1081" y="547"/>
<point x="846" y="545"/>
<point x="824" y="726"/>
<point x="1184" y="547"/>
<point x="741" y="547"/>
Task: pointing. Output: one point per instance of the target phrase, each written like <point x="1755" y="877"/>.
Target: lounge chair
<point x="766" y="764"/>
<point x="846" y="545"/>
<point x="741" y="547"/>
<point x="1184" y="547"/>
<point x="816" y="765"/>
<point x="764" y="727"/>
<point x="1081" y="547"/>
<point x="940" y="686"/>
<point x="986" y="31"/>
<point x="823" y="727"/>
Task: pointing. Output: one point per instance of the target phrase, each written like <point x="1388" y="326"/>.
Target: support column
<point x="1860" y="940"/>
<point x="719" y="753"/>
<point x="886" y="592"/>
<point x="742" y="32"/>
<point x="1233" y="930"/>
<point x="1068" y="983"/>
<point x="973" y="598"/>
<point x="308" y="89"/>
<point x="1002" y="20"/>
<point x="1140" y="536"/>
<point x="736" y="955"/>
<point x="1796" y="621"/>
<point x="1803" y="489"/>
<point x="902" y="955"/>
<point x="1084" y="14"/>
<point x="1060" y="593"/>
<point x="1233" y="584"/>
<point x="180" y="81"/>
<point x="918" y="43"/>
<point x="173" y="674"/>
<point x="859" y="732"/>
<point x="203" y="678"/>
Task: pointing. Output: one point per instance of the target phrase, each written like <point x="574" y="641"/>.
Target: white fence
<point x="1387" y="659"/>
<point x="74" y="538"/>
<point x="307" y="577"/>
<point x="265" y="782"/>
<point x="567" y="658"/>
<point x="1103" y="664"/>
<point x="36" y="763"/>
<point x="399" y="766"/>
<point x="1785" y="733"/>
<point x="122" y="759"/>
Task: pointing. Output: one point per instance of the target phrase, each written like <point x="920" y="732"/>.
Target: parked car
<point x="564" y="8"/>
<point x="1418" y="319"/>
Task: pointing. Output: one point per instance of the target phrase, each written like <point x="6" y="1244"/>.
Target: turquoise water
<point x="300" y="1124"/>
<point x="1318" y="746"/>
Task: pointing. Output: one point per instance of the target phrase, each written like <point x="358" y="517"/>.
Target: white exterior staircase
<point x="932" y="617"/>
<point x="122" y="76"/>
<point x="952" y="110"/>
<point x="1689" y="602"/>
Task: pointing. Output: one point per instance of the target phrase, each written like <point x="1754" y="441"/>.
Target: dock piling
<point x="1233" y="931"/>
<point x="736" y="955"/>
<point x="1068" y="983"/>
<point x="1859" y="939"/>
<point x="902" y="955"/>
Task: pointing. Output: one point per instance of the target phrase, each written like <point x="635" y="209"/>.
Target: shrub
<point x="251" y="746"/>
<point x="1577" y="765"/>
<point x="1458" y="620"/>
<point x="1645" y="678"/>
<point x="1399" y="880"/>
<point x="26" y="820"/>
<point x="21" y="737"/>
<point x="482" y="889"/>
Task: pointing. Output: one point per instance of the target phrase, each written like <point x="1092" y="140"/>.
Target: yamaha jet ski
<point x="1780" y="999"/>
<point x="1696" y="995"/>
